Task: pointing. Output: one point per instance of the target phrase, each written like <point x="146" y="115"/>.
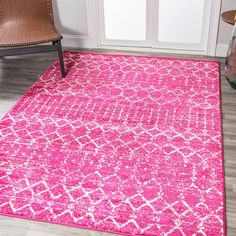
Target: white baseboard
<point x="152" y="50"/>
<point x="75" y="41"/>
<point x="221" y="50"/>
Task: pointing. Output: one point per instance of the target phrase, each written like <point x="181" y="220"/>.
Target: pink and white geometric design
<point x="124" y="144"/>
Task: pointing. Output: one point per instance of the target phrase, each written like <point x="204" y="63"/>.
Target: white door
<point x="180" y="25"/>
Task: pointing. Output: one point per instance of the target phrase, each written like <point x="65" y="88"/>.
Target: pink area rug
<point x="124" y="144"/>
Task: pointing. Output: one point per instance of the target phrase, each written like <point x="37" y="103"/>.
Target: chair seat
<point x="28" y="23"/>
<point x="14" y="34"/>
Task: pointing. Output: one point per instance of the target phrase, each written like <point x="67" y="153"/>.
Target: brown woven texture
<point x="26" y="22"/>
<point x="229" y="17"/>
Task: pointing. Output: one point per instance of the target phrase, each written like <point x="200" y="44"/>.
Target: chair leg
<point x="59" y="47"/>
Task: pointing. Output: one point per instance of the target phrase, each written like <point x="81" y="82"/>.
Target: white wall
<point x="72" y="21"/>
<point x="225" y="29"/>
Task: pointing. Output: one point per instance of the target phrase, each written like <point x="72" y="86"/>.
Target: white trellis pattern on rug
<point x="124" y="144"/>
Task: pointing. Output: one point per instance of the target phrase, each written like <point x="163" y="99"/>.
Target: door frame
<point x="213" y="32"/>
<point x="93" y="11"/>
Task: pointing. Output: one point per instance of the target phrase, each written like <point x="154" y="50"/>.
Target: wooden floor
<point x="18" y="73"/>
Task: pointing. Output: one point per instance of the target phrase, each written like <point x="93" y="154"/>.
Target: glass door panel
<point x="180" y="21"/>
<point x="124" y="20"/>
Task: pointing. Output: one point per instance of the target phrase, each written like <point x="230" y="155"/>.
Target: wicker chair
<point x="24" y="25"/>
